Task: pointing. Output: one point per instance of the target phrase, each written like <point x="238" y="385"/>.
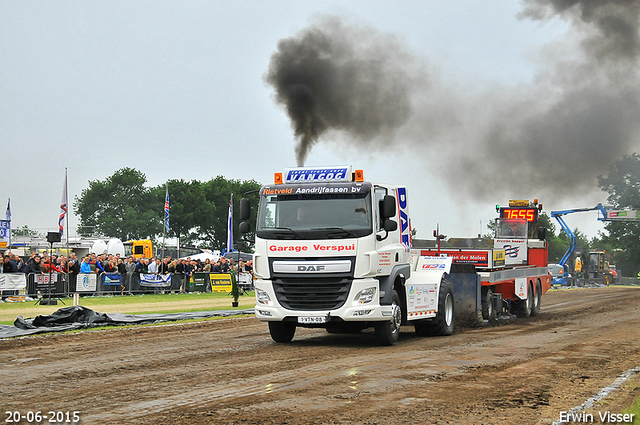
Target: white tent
<point x="211" y="255"/>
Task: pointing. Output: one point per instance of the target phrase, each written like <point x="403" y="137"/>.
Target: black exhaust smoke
<point x="347" y="79"/>
<point x="550" y="137"/>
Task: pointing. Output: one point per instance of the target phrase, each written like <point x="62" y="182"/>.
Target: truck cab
<point x="330" y="249"/>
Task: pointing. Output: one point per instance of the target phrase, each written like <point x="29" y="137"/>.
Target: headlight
<point x="365" y="296"/>
<point x="262" y="297"/>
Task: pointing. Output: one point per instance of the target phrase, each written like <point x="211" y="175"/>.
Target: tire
<point x="387" y="333"/>
<point x="537" y="300"/>
<point x="443" y="323"/>
<point x="282" y="331"/>
<point x="488" y="311"/>
<point x="523" y="307"/>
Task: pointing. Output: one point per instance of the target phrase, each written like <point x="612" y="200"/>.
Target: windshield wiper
<point x="337" y="230"/>
<point x="290" y="230"/>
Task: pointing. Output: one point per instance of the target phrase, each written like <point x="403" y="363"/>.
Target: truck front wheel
<point x="388" y="332"/>
<point x="282" y="331"/>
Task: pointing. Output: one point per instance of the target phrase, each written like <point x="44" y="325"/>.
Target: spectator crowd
<point x="92" y="263"/>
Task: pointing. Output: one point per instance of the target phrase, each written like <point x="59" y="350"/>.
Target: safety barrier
<point x="62" y="285"/>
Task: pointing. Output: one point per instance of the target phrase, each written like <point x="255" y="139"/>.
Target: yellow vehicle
<point x="139" y="248"/>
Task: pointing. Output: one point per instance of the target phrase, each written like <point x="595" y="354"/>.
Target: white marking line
<point x="601" y="394"/>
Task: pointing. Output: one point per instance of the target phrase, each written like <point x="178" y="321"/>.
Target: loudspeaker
<point x="53" y="237"/>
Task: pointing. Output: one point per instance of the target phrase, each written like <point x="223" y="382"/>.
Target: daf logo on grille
<point x="311" y="268"/>
<point x="319" y="266"/>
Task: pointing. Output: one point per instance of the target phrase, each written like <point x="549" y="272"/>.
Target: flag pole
<point x="166" y="218"/>
<point x="8" y="217"/>
<point x="66" y="189"/>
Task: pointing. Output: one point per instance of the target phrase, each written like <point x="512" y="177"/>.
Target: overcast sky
<point x="177" y="90"/>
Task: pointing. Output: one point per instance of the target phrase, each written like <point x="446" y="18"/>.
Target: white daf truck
<point x="333" y="251"/>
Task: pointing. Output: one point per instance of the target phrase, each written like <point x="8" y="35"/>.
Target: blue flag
<point x="230" y="226"/>
<point x="166" y="210"/>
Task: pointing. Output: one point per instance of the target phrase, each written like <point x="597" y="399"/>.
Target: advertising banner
<point x="111" y="279"/>
<point x="86" y="283"/>
<point x="515" y="250"/>
<point x="220" y="282"/>
<point x="44" y="281"/>
<point x="12" y="281"/>
<point x="5" y="228"/>
<point x="155" y="280"/>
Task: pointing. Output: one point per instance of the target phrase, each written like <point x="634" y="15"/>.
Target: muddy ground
<point x="230" y="372"/>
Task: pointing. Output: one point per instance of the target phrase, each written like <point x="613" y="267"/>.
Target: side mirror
<point x="245" y="209"/>
<point x="542" y="233"/>
<point x="245" y="227"/>
<point x="390" y="225"/>
<point x="389" y="206"/>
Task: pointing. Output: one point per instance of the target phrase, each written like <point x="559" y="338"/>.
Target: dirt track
<point x="230" y="371"/>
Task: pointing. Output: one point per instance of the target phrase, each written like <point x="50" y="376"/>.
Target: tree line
<point x="123" y="206"/>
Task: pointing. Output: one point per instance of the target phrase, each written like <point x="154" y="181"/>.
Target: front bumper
<point x="350" y="311"/>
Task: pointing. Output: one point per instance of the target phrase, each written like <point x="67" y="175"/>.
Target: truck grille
<point x="312" y="293"/>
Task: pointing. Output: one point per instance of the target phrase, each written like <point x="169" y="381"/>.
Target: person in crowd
<point x="62" y="264"/>
<point x="92" y="262"/>
<point x="33" y="265"/>
<point x="122" y="269"/>
<point x="51" y="264"/>
<point x="19" y="263"/>
<point x="207" y="266"/>
<point x="130" y="267"/>
<point x="172" y="266"/>
<point x="99" y="263"/>
<point x="179" y="268"/>
<point x="110" y="266"/>
<point x="188" y="268"/>
<point x="248" y="267"/>
<point x="9" y="265"/>
<point x="85" y="267"/>
<point x="224" y="264"/>
<point x="153" y="266"/>
<point x="73" y="265"/>
<point x="163" y="268"/>
<point x="216" y="267"/>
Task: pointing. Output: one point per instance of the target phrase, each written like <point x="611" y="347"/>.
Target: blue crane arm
<point x="572" y="237"/>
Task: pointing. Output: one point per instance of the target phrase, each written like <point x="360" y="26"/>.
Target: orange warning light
<point x="277" y="177"/>
<point x="359" y="176"/>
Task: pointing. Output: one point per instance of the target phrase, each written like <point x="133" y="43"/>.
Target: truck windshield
<point x="511" y="228"/>
<point x="315" y="215"/>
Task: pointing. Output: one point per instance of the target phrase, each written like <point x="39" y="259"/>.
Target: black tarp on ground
<point x="79" y="317"/>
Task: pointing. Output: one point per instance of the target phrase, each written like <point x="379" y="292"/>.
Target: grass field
<point x="131" y="304"/>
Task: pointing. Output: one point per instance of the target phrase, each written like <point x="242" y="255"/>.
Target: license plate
<point x="312" y="319"/>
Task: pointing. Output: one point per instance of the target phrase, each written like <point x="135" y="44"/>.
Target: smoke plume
<point x="333" y="77"/>
<point x="549" y="137"/>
